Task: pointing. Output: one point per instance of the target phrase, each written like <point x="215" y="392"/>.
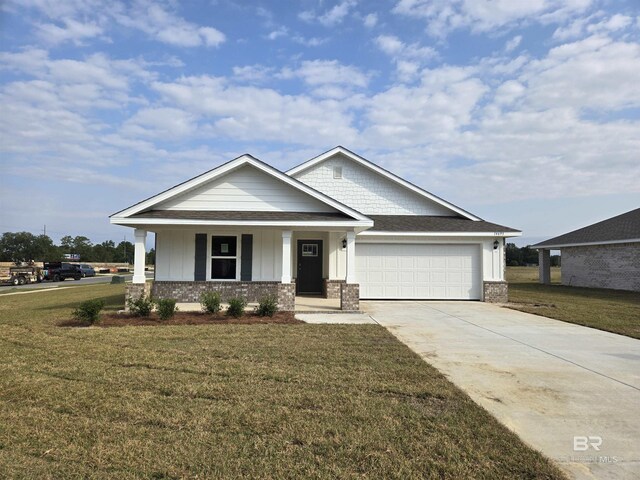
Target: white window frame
<point x="211" y="257"/>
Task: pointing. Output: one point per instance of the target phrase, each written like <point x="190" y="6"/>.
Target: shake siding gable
<point x="245" y="189"/>
<point x="366" y="191"/>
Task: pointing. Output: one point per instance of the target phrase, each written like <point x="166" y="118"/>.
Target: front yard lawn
<point x="615" y="311"/>
<point x="232" y="401"/>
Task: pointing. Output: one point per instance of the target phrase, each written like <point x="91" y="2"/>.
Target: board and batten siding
<point x="246" y="189"/>
<point x="175" y="254"/>
<point x="367" y="191"/>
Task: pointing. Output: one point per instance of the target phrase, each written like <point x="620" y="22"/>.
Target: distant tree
<point x="25" y="246"/>
<point x="151" y="257"/>
<point x="124" y="252"/>
<point x="104" y="252"/>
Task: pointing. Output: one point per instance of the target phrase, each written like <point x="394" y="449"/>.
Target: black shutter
<point x="247" y="258"/>
<point x="200" y="273"/>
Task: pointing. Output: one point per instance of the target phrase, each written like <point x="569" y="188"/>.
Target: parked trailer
<point x="24" y="275"/>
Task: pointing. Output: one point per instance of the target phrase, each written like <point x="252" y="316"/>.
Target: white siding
<point x="175" y="255"/>
<point x="367" y="191"/>
<point x="246" y="189"/>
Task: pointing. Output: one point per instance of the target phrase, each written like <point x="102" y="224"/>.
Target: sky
<point x="526" y="113"/>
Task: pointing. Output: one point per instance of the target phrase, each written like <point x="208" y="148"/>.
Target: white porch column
<point x="140" y="254"/>
<point x="286" y="256"/>
<point x="351" y="257"/>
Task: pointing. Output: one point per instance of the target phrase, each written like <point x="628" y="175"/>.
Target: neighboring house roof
<point x="126" y="216"/>
<point x="381" y="171"/>
<point x="620" y="229"/>
<point x="432" y="224"/>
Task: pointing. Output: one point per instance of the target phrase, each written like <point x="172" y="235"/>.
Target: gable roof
<point x="246" y="159"/>
<point x="381" y="171"/>
<point x="623" y="228"/>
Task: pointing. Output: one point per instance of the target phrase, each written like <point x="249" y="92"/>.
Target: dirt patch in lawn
<point x="182" y="318"/>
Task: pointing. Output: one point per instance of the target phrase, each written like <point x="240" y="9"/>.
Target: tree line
<point x="25" y="246"/>
<point x="526" y="256"/>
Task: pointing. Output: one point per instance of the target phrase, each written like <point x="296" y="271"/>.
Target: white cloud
<point x="84" y="19"/>
<point x="252" y="73"/>
<point x="370" y="20"/>
<point x="323" y="72"/>
<point x="408" y="58"/>
<point x="331" y="17"/>
<point x="255" y="114"/>
<point x="277" y="33"/>
<point x="512" y="44"/>
<point x="445" y="16"/>
<point x="72" y="31"/>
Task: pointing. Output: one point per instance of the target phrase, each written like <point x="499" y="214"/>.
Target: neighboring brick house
<point x="337" y="226"/>
<point x="603" y="255"/>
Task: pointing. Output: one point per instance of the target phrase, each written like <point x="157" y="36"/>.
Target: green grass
<point x="615" y="311"/>
<point x="232" y="401"/>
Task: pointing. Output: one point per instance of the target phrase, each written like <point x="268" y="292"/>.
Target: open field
<point x="232" y="401"/>
<point x="615" y="311"/>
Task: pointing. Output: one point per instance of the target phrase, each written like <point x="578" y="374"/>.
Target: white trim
<point x="586" y="244"/>
<point x="226" y="168"/>
<point x="440" y="234"/>
<point x="372" y="166"/>
<point x="250" y="223"/>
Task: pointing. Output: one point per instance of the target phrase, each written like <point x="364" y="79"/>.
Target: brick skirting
<point x="332" y="288"/>
<point x="350" y="296"/>
<point x="496" y="292"/>
<point x="190" y="292"/>
<point x="134" y="291"/>
<point x="287" y="297"/>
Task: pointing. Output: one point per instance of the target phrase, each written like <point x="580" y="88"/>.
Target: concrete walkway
<point x="547" y="380"/>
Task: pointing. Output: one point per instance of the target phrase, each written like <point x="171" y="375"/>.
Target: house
<point x="337" y="226"/>
<point x="603" y="255"/>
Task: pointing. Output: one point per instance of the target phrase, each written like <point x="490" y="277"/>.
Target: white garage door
<point x="417" y="271"/>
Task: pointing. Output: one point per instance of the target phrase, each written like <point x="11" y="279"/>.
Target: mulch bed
<point x="183" y="318"/>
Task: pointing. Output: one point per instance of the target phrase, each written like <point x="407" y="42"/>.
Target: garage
<point x="418" y="271"/>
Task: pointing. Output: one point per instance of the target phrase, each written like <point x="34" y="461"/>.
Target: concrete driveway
<point x="549" y="381"/>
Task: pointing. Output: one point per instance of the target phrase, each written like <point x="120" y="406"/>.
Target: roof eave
<point x="555" y="246"/>
<point x="441" y="234"/>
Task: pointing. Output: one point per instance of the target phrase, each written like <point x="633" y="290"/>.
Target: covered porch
<point x="306" y="269"/>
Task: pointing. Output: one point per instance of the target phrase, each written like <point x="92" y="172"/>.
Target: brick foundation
<point x="286" y="297"/>
<point x="350" y="296"/>
<point x="332" y="288"/>
<point x="190" y="292"/>
<point x="496" y="292"/>
<point x="134" y="291"/>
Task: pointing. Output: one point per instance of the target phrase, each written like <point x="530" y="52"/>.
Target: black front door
<point x="309" y="279"/>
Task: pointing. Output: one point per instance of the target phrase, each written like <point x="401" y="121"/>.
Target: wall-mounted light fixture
<point x="344" y="243"/>
<point x="496" y="244"/>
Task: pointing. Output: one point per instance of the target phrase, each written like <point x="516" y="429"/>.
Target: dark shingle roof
<point x="616" y="229"/>
<point x="237" y="215"/>
<point x="424" y="223"/>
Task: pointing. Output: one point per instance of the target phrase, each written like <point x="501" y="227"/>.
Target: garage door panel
<point x="420" y="271"/>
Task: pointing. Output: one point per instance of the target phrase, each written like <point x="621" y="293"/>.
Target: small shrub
<point x="236" y="307"/>
<point x="210" y="302"/>
<point x="141" y="307"/>
<point x="89" y="311"/>
<point x="268" y="306"/>
<point x="166" y="308"/>
<point x="117" y="279"/>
